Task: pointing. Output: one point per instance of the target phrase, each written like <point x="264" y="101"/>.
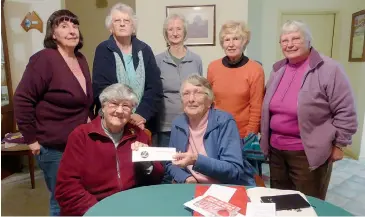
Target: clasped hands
<point x="138" y="121"/>
<point x="183" y="160"/>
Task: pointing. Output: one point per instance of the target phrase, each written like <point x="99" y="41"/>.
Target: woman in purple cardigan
<point x="54" y="95"/>
<point x="308" y="115"/>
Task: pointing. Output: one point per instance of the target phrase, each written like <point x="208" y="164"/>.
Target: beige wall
<point x="92" y="21"/>
<point x="269" y="13"/>
<point x="151" y="15"/>
<point x="22" y="44"/>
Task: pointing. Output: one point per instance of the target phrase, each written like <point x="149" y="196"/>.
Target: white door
<point x="321" y="26"/>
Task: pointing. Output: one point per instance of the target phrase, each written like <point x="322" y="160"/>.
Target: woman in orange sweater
<point x="238" y="82"/>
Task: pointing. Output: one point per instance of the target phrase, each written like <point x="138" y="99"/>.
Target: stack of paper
<point x="215" y="202"/>
<point x="255" y="195"/>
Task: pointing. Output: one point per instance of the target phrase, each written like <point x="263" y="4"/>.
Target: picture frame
<point x="357" y="38"/>
<point x="201" y="21"/>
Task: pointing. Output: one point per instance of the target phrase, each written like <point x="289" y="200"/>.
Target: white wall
<point x="22" y="44"/>
<point x="269" y="11"/>
<point x="151" y="15"/>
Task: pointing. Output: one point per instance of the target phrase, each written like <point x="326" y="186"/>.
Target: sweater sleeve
<point x="152" y="97"/>
<point x="29" y="92"/>
<point x="71" y="195"/>
<point x="104" y="73"/>
<point x="200" y="66"/>
<point x="178" y="174"/>
<point x="342" y="105"/>
<point x="228" y="168"/>
<point x="257" y="90"/>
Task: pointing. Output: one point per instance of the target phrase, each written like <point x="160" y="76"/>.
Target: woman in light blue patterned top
<point x="125" y="59"/>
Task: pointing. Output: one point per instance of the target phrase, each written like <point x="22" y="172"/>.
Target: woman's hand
<point x="136" y="145"/>
<point x="137" y="120"/>
<point x="191" y="180"/>
<point x="35" y="148"/>
<point x="337" y="154"/>
<point x="184" y="159"/>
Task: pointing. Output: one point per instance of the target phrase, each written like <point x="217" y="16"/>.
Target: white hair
<point x="175" y="17"/>
<point x="297" y="26"/>
<point x="199" y="81"/>
<point x="118" y="92"/>
<point x="124" y="9"/>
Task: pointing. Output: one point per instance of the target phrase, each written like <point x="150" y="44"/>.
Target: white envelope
<point x="153" y="154"/>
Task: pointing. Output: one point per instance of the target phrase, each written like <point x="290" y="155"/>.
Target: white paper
<point x="190" y="204"/>
<point x="221" y="192"/>
<point x="255" y="195"/>
<point x="153" y="154"/>
<point x="261" y="210"/>
<point x="203" y="212"/>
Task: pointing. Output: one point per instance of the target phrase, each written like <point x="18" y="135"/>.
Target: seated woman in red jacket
<point x="98" y="159"/>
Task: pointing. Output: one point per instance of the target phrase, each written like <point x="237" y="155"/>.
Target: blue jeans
<point x="162" y="139"/>
<point x="49" y="160"/>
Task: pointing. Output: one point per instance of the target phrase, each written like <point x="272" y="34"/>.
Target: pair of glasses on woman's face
<point x="196" y="94"/>
<point x="119" y="21"/>
<point x="294" y="41"/>
<point x="125" y="106"/>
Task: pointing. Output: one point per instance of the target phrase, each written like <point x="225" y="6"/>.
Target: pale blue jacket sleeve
<point x="178" y="174"/>
<point x="228" y="168"/>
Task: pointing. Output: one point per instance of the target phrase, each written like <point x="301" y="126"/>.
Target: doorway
<point x="92" y="16"/>
<point x="322" y="27"/>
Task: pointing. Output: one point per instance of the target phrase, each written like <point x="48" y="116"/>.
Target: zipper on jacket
<point x="118" y="169"/>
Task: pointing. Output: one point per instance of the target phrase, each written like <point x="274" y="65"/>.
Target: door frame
<point x="335" y="39"/>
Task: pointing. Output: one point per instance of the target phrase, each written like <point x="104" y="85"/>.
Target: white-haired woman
<point x="125" y="59"/>
<point x="308" y="115"/>
<point x="208" y="139"/>
<point x="98" y="159"/>
<point x="237" y="81"/>
<point x="176" y="64"/>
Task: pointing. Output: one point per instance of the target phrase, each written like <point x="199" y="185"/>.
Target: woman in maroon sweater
<point x="54" y="95"/>
<point x="97" y="162"/>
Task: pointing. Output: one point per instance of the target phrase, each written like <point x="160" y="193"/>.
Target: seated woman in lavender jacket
<point x="308" y="115"/>
<point x="208" y="139"/>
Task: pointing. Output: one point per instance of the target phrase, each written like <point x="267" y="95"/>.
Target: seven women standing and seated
<point x="308" y="115"/>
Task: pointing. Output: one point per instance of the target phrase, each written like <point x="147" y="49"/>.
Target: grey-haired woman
<point x="176" y="64"/>
<point x="125" y="59"/>
<point x="98" y="159"/>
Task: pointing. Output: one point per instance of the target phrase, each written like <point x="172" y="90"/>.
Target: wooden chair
<point x="259" y="181"/>
<point x="149" y="134"/>
<point x="21" y="150"/>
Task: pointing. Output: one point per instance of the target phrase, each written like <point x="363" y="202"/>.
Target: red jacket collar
<point x="130" y="131"/>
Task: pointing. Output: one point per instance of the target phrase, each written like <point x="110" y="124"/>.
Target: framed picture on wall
<point x="357" y="38"/>
<point x="200" y="23"/>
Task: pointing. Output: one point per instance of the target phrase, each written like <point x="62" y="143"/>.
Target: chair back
<point x="259" y="181"/>
<point x="149" y="134"/>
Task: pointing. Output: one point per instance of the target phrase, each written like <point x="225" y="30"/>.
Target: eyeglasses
<point x="294" y="41"/>
<point x="119" y="21"/>
<point x="196" y="94"/>
<point x="125" y="107"/>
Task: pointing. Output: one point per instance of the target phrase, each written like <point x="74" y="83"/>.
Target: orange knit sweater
<point x="239" y="91"/>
